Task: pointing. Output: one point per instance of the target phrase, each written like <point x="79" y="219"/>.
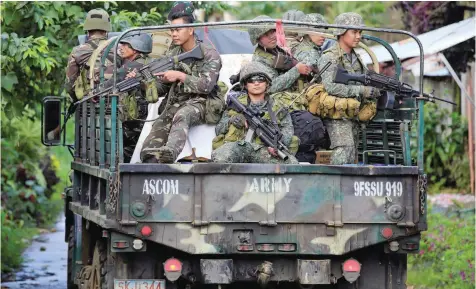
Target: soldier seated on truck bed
<point x="134" y="51"/>
<point x="188" y="93"/>
<point x="229" y="145"/>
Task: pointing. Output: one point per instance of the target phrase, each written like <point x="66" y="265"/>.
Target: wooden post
<point x="470" y="108"/>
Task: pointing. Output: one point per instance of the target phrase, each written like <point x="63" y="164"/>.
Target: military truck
<point x="196" y="224"/>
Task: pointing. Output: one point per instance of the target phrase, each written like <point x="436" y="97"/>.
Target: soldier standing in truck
<point x="186" y="98"/>
<point x="307" y="48"/>
<point x="283" y="69"/>
<point x="229" y="145"/>
<point x="97" y="24"/>
<point x="343" y="133"/>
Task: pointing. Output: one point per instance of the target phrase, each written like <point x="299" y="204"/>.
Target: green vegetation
<point x="446" y="257"/>
<point x="37" y="38"/>
<point x="445" y="151"/>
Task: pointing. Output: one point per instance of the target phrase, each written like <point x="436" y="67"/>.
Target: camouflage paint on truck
<point x="215" y="208"/>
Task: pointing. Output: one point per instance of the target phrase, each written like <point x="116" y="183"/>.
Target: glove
<point x="370" y="92"/>
<point x="238" y="121"/>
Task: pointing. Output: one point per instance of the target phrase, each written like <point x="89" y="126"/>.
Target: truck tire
<point x="70" y="278"/>
<point x="99" y="271"/>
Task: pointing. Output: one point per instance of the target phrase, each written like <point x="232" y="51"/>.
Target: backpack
<point x="312" y="135"/>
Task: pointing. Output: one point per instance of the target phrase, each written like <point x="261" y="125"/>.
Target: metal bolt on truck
<point x="196" y="224"/>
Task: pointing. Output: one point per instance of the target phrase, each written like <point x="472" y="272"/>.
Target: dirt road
<point x="45" y="262"/>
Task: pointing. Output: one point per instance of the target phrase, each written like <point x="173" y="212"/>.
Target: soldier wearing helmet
<point x="190" y="88"/>
<point x="284" y="69"/>
<point x="133" y="108"/>
<point x="307" y="48"/>
<point x="343" y="133"/>
<point x="97" y="24"/>
<point x="230" y="145"/>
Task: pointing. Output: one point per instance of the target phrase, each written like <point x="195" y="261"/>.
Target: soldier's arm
<point x="287" y="129"/>
<point x="223" y="124"/>
<point x="309" y="57"/>
<point x="207" y="74"/>
<point x="284" y="81"/>
<point x="72" y="73"/>
<point x="280" y="82"/>
<point x="336" y="89"/>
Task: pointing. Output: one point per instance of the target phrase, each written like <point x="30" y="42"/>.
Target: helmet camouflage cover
<point x="139" y="42"/>
<point x="256" y="32"/>
<point x="181" y="8"/>
<point x="349" y="18"/>
<point x="254" y="68"/>
<point x="97" y="19"/>
<point x="293" y="15"/>
<point x="317" y="19"/>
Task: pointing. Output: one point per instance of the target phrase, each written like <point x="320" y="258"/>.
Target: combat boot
<point x="165" y="155"/>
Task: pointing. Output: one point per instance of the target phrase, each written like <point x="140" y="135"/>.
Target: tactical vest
<point x="133" y="105"/>
<point x="333" y="107"/>
<point x="236" y="134"/>
<point x="85" y="80"/>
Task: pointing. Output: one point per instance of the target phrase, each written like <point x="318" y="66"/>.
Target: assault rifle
<point x="269" y="135"/>
<point x="386" y="83"/>
<point x="145" y="72"/>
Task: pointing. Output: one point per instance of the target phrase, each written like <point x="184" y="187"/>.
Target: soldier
<point x="186" y="99"/>
<point x="134" y="51"/>
<point x="229" y="145"/>
<point x="97" y="24"/>
<point x="343" y="133"/>
<point x="284" y="71"/>
<point x="308" y="48"/>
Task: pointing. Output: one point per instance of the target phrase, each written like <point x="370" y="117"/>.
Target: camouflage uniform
<point x="79" y="57"/>
<point x="282" y="79"/>
<point x="244" y="152"/>
<point x="304" y="49"/>
<point x="343" y="133"/>
<point x="230" y="146"/>
<point x="185" y="107"/>
<point x="132" y="128"/>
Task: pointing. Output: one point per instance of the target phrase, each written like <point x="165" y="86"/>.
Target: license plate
<point x="139" y="284"/>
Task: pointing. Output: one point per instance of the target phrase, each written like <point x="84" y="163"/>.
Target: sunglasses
<point x="256" y="78"/>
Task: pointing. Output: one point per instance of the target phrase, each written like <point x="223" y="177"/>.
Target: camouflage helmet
<point x="349" y="18"/>
<point x="254" y="68"/>
<point x="256" y="32"/>
<point x="97" y="19"/>
<point x="139" y="42"/>
<point x="317" y="19"/>
<point x="181" y="8"/>
<point x="293" y="15"/>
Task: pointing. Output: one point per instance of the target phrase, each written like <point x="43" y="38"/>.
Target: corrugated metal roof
<point x="433" y="42"/>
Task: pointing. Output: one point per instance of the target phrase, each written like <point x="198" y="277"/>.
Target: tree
<point x="421" y="17"/>
<point x="34" y="53"/>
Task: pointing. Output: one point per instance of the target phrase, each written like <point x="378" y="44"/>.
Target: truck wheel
<point x="70" y="277"/>
<point x="99" y="270"/>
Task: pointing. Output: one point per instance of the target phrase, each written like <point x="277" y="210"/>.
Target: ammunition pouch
<point x="286" y="98"/>
<point x="215" y="104"/>
<point x="322" y="104"/>
<point x="151" y="94"/>
<point x="368" y="111"/>
<point x="81" y="85"/>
